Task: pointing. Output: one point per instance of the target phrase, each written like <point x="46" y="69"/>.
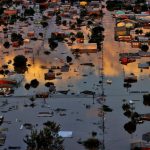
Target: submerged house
<point x="84" y="48"/>
<point x="135" y="44"/>
<point x="7" y="86"/>
<point x="122" y="34"/>
<point x="127" y="23"/>
<point x="49" y="75"/>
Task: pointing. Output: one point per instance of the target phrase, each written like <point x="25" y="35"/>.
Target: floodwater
<point x="77" y="117"/>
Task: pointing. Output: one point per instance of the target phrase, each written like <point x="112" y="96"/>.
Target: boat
<point x="108" y="81"/>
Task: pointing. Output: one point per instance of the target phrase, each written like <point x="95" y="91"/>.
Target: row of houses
<point x="125" y="27"/>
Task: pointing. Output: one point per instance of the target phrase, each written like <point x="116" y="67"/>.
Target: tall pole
<point x="103" y="97"/>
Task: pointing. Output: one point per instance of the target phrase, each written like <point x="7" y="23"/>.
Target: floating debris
<point x="88" y="64"/>
<point x="45" y="114"/>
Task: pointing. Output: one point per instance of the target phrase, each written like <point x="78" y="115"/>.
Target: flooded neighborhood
<point x="74" y="75"/>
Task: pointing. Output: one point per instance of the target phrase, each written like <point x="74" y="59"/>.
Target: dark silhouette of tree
<point x="97" y="36"/>
<point x="34" y="83"/>
<point x="17" y="37"/>
<point x="68" y="59"/>
<point x="48" y="84"/>
<point x="144" y="48"/>
<point x="64" y="22"/>
<point x="29" y="12"/>
<point x="97" y="30"/>
<point x="58" y="20"/>
<point x="2" y="72"/>
<point x="53" y="45"/>
<point x="92" y="143"/>
<point x="1" y="10"/>
<point x="140" y="1"/>
<point x="6" y="72"/>
<point x="47" y="52"/>
<point x="5" y="66"/>
<point x="72" y="26"/>
<point x="32" y="99"/>
<point x="89" y="23"/>
<point x="72" y="39"/>
<point x="46" y="139"/>
<point x="79" y="35"/>
<point x="147" y="34"/>
<point x="27" y="86"/>
<point x="146" y="99"/>
<point x="112" y="5"/>
<point x="125" y="106"/>
<point x="20" y="64"/>
<point x="79" y="21"/>
<point x="83" y="13"/>
<point x="44" y="24"/>
<point x="128" y="113"/>
<point x="138" y="31"/>
<point x="6" y="44"/>
<point x="106" y="108"/>
<point x="130" y="127"/>
<point x="41" y="34"/>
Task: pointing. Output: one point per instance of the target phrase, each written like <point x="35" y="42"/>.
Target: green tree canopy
<point x="46" y="139"/>
<point x="20" y="64"/>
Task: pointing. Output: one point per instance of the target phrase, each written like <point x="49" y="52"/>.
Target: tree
<point x="68" y="59"/>
<point x="34" y="83"/>
<point x="47" y="52"/>
<point x="125" y="106"/>
<point x="130" y="127"/>
<point x="97" y="30"/>
<point x="79" y="35"/>
<point x="17" y="37"/>
<point x="72" y="39"/>
<point x="41" y="34"/>
<point x="97" y="36"/>
<point x="79" y="21"/>
<point x="147" y="34"/>
<point x="58" y="20"/>
<point x="48" y="84"/>
<point x="2" y="72"/>
<point x="89" y="23"/>
<point x="1" y="10"/>
<point x="46" y="139"/>
<point x="53" y="45"/>
<point x="32" y="99"/>
<point x="44" y="24"/>
<point x="27" y="86"/>
<point x="29" y="12"/>
<point x="144" y="48"/>
<point x="72" y="26"/>
<point x="146" y="99"/>
<point x="64" y="22"/>
<point x="112" y="5"/>
<point x="83" y="13"/>
<point x="92" y="143"/>
<point x="6" y="44"/>
<point x="20" y="64"/>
